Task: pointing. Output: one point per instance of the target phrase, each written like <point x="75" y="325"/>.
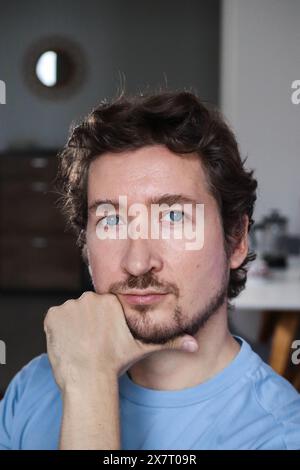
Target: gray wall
<point x="146" y="40"/>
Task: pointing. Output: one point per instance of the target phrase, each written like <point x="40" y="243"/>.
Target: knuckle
<point x="110" y="301"/>
<point x="110" y="297"/>
<point x="46" y="327"/>
<point x="87" y="295"/>
<point x="47" y="323"/>
<point x="50" y="313"/>
<point x="52" y="316"/>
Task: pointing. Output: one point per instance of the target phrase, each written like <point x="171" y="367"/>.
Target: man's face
<point x="193" y="283"/>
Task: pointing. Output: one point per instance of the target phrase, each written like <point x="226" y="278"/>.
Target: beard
<point x="143" y="320"/>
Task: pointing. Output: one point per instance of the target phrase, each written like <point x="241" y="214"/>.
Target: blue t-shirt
<point x="245" y="406"/>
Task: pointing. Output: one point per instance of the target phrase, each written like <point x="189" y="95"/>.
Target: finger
<point x="186" y="343"/>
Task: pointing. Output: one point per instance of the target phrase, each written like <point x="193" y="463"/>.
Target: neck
<point x="176" y="370"/>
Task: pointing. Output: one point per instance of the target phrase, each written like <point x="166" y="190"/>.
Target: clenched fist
<point x="90" y="336"/>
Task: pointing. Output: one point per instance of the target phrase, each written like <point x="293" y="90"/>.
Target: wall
<point x="147" y="41"/>
<point x="260" y="58"/>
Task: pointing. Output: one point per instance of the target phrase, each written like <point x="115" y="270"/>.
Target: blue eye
<point x="176" y="216"/>
<point x="110" y="220"/>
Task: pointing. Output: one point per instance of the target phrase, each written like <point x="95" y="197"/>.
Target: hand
<point x="89" y="336"/>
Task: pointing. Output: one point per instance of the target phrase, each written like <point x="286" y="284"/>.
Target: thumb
<point x="185" y="343"/>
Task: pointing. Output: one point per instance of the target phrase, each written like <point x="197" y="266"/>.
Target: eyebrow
<point x="168" y="199"/>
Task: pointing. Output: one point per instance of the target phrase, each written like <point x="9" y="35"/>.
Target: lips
<point x="145" y="298"/>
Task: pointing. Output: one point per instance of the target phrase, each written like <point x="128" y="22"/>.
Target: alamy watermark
<point x="296" y="353"/>
<point x="176" y="221"/>
<point x="2" y="92"/>
<point x="295" y="96"/>
<point x="2" y="352"/>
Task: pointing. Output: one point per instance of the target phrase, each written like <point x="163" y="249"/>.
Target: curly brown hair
<point x="182" y="123"/>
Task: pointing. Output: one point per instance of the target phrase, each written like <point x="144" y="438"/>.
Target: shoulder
<point x="32" y="382"/>
<point x="31" y="385"/>
<point x="278" y="398"/>
<point x="36" y="374"/>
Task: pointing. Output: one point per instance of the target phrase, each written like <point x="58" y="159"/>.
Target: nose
<point x="141" y="257"/>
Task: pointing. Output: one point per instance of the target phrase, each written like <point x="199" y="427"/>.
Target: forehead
<point x="142" y="173"/>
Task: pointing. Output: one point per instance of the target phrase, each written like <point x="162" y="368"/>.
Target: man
<point x="147" y="360"/>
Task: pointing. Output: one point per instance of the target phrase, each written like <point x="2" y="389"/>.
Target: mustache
<point x="143" y="282"/>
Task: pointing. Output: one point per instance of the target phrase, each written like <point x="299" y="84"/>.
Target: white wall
<point x="260" y="60"/>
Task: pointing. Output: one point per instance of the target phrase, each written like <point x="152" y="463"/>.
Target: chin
<point x="150" y="331"/>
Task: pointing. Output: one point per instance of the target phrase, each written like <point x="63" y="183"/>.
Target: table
<point x="278" y="294"/>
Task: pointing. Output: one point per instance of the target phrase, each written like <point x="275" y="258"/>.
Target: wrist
<point x="90" y="384"/>
<point x="91" y="414"/>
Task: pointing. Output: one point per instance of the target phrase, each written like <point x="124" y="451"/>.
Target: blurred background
<point x="59" y="59"/>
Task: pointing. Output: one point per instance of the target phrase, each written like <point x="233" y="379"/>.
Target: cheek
<point x="199" y="271"/>
<point x="104" y="262"/>
<point x="213" y="249"/>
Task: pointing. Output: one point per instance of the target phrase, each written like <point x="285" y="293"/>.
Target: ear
<point x="90" y="270"/>
<point x="241" y="249"/>
<point x="86" y="258"/>
<point x="88" y="262"/>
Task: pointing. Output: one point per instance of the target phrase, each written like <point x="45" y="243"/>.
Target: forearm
<point x="91" y="415"/>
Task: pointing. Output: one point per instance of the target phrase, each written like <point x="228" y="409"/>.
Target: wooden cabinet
<point x="36" y="251"/>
